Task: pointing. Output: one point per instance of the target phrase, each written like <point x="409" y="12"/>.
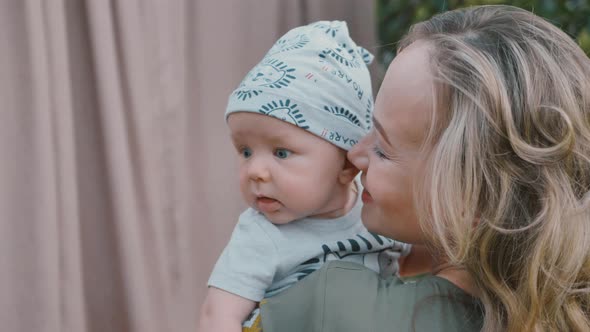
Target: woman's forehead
<point x="405" y="100"/>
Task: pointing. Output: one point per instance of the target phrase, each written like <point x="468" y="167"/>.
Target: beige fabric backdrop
<point x="117" y="181"/>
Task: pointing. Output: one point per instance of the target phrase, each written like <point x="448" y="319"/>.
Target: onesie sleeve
<point x="248" y="263"/>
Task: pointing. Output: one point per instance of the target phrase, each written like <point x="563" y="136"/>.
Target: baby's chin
<point x="278" y="219"/>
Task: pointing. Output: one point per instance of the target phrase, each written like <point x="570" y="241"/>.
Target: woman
<point x="481" y="152"/>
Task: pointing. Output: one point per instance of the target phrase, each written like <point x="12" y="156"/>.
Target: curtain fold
<point x="118" y="183"/>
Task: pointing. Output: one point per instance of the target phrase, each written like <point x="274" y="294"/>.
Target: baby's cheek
<point x="295" y="193"/>
<point x="244" y="189"/>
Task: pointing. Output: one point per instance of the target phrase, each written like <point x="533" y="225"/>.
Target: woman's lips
<point x="366" y="197"/>
<point x="267" y="205"/>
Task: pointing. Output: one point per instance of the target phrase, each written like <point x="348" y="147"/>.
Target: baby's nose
<point x="258" y="170"/>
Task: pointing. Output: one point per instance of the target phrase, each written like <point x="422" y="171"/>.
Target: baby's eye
<point x="282" y="153"/>
<point x="246" y="152"/>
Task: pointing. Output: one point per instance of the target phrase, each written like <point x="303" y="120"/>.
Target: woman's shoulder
<point x="344" y="296"/>
<point x="337" y="275"/>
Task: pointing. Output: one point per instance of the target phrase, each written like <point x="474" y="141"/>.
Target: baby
<point x="292" y="120"/>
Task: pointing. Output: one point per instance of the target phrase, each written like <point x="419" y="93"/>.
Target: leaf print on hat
<point x="288" y="43"/>
<point x="271" y="73"/>
<point x="343" y="112"/>
<point x="284" y="110"/>
<point x="247" y="93"/>
<point x="369" y="114"/>
<point x="342" y="54"/>
<point x="330" y="28"/>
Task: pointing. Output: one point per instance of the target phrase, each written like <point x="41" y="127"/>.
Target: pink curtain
<point x="118" y="184"/>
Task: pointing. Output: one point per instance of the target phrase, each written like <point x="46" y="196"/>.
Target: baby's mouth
<point x="267" y="204"/>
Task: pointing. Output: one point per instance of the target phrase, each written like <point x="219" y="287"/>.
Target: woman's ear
<point x="348" y="172"/>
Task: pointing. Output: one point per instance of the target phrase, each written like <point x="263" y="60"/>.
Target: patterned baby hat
<point x="314" y="77"/>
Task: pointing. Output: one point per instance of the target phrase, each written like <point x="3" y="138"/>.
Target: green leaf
<point x="584" y="40"/>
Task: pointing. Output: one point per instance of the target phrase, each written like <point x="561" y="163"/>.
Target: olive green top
<point x="344" y="296"/>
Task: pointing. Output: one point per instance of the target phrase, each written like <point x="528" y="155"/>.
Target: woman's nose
<point x="258" y="169"/>
<point x="358" y="155"/>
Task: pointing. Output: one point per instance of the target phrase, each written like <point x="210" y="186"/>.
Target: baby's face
<point x="286" y="173"/>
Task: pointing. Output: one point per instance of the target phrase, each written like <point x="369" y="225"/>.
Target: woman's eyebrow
<point x="380" y="130"/>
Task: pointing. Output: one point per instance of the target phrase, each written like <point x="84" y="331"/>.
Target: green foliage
<point x="396" y="16"/>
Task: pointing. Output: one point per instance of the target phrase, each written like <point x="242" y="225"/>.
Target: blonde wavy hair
<point x="508" y="197"/>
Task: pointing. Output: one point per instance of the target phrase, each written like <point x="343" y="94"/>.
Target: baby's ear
<point x="348" y="172"/>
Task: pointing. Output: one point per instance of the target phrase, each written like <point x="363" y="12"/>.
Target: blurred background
<point x="395" y="17"/>
<point x="118" y="184"/>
